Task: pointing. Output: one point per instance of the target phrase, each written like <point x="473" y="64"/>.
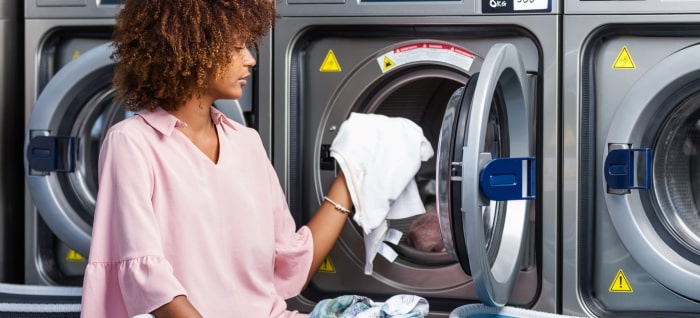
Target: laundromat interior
<point x="593" y="104"/>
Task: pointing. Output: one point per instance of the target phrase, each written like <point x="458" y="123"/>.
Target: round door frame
<point x="502" y="67"/>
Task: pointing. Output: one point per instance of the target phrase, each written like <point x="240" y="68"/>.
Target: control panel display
<point x="515" y="6"/>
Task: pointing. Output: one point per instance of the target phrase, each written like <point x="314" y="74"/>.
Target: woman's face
<point x="230" y="86"/>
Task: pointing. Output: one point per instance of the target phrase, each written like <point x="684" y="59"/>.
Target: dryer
<point x="631" y="107"/>
<point x="69" y="106"/>
<point x="481" y="79"/>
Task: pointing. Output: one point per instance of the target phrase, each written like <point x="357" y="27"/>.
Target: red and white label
<point x="426" y="52"/>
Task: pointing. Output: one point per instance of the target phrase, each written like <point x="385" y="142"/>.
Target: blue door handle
<point x="505" y="179"/>
<point x="51" y="154"/>
<point x="619" y="169"/>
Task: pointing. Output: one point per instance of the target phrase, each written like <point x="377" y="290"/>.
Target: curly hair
<point x="169" y="50"/>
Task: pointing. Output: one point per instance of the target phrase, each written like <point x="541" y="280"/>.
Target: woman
<point x="190" y="219"/>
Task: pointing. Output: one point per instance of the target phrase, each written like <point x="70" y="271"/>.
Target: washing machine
<point x="10" y="145"/>
<point x="481" y="79"/>
<point x="69" y="106"/>
<point x="631" y="108"/>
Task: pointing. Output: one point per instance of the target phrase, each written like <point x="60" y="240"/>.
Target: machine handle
<point x="619" y="169"/>
<point x="505" y="179"/>
<point x="51" y="154"/>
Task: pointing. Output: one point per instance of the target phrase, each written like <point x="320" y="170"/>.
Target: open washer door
<point x="486" y="173"/>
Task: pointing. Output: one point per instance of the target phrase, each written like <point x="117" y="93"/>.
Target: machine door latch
<point x="620" y="170"/>
<point x="51" y="154"/>
<point x="326" y="161"/>
<point x="506" y="179"/>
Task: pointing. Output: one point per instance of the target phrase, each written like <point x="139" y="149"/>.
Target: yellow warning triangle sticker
<point x="76" y="54"/>
<point x="624" y="60"/>
<point x="327" y="266"/>
<point x="620" y="284"/>
<point x="74" y="256"/>
<point x="330" y="63"/>
<point x="388" y="63"/>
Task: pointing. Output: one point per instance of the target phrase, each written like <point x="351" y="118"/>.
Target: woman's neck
<point x="195" y="113"/>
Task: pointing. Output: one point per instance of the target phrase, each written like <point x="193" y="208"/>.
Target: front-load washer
<point x="10" y="145"/>
<point x="68" y="107"/>
<point x="481" y="79"/>
<point x="631" y="108"/>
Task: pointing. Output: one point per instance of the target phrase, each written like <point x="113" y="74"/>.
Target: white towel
<point x="380" y="157"/>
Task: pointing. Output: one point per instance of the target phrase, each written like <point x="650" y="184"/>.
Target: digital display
<point x="514" y="6"/>
<point x="111" y="2"/>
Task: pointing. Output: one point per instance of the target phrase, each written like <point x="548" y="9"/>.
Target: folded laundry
<point x="380" y="157"/>
<point x="355" y="306"/>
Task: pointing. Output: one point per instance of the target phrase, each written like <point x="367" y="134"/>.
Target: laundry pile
<point x="380" y="157"/>
<point x="354" y="306"/>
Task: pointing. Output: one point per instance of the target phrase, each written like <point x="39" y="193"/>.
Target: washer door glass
<point x="485" y="174"/>
<point x="676" y="173"/>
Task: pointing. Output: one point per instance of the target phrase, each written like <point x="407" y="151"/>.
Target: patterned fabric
<point x="353" y="306"/>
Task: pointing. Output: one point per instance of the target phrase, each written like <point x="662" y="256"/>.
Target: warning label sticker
<point x="73" y="256"/>
<point x="620" y="284"/>
<point x="624" y="60"/>
<point x="426" y="52"/>
<point x="330" y="63"/>
<point x="327" y="266"/>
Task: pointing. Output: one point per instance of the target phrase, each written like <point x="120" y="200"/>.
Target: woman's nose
<point x="248" y="58"/>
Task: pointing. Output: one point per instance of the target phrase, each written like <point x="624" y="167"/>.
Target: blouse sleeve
<point x="293" y="248"/>
<point x="126" y="268"/>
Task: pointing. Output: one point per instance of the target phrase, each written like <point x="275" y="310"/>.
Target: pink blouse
<point x="171" y="222"/>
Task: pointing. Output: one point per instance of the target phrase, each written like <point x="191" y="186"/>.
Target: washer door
<point x="66" y="128"/>
<point x="653" y="143"/>
<point x="65" y="132"/>
<point x="486" y="172"/>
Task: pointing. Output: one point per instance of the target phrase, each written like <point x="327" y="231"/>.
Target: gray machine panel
<point x="70" y="9"/>
<point x="606" y="59"/>
<point x="8" y="10"/>
<point x="630" y="7"/>
<point x="380" y="8"/>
